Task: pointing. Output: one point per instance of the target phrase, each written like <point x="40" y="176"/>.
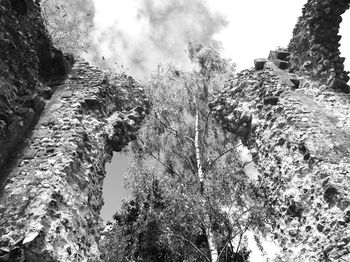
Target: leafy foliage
<point x="179" y="217"/>
<point x="208" y="58"/>
<point x="68" y="23"/>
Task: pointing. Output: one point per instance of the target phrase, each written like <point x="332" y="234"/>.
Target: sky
<point x="141" y="34"/>
<point x="113" y="189"/>
<point x="135" y="36"/>
<point x="345" y="40"/>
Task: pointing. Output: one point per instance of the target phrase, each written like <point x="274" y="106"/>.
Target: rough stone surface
<point x="26" y="58"/>
<point x="51" y="199"/>
<point x="300" y="141"/>
<point x="314" y="46"/>
<point x="259" y="63"/>
<point x="50" y="192"/>
<point x="280" y="58"/>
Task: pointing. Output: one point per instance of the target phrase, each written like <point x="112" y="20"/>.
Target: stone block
<point x="274" y="58"/>
<point x="281" y="64"/>
<point x="282" y="55"/>
<point x="259" y="63"/>
<point x="92" y="102"/>
<point x="271" y="100"/>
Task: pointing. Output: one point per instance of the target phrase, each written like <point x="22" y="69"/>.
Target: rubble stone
<point x="50" y="201"/>
<point x="302" y="151"/>
<point x="314" y="47"/>
<point x="28" y="64"/>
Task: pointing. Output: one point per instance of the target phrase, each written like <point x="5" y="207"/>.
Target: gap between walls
<point x="345" y="39"/>
<point x="113" y="185"/>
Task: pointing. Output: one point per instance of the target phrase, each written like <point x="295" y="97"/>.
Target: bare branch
<point x="242" y="232"/>
<point x="193" y="245"/>
<point x="191" y="139"/>
<point x="227" y="151"/>
<point x="163" y="124"/>
<point x="161" y="162"/>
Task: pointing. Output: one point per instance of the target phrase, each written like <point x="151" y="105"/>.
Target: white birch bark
<point x="212" y="247"/>
<point x="196" y="144"/>
<point x="214" y="256"/>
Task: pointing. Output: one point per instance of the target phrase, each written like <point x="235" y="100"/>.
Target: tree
<point x="208" y="202"/>
<point x="68" y="23"/>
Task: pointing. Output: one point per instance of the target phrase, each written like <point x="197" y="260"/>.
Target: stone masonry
<point x="315" y="44"/>
<point x="50" y="201"/>
<point x="298" y="132"/>
<point x="28" y="65"/>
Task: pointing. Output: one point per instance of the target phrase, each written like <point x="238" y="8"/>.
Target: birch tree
<point x="206" y="193"/>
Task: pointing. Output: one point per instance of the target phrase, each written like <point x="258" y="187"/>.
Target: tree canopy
<point x="68" y="23"/>
<point x="191" y="200"/>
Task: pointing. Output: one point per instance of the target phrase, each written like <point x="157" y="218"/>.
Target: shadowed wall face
<point x="26" y="55"/>
<point x="315" y="44"/>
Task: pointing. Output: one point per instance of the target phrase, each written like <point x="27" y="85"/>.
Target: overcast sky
<point x="140" y="34"/>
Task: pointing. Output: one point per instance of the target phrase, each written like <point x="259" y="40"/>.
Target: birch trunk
<point x="212" y="248"/>
<point x="214" y="256"/>
<point x="196" y="144"/>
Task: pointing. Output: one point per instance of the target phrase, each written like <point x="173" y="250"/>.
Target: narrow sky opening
<point x="113" y="185"/>
<point x="344" y="31"/>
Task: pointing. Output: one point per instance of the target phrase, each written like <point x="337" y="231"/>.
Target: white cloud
<point x="142" y="34"/>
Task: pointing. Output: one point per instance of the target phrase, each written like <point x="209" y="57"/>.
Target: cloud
<point x="141" y="34"/>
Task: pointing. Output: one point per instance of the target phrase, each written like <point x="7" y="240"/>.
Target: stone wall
<point x="298" y="132"/>
<point x="314" y="46"/>
<point x="27" y="60"/>
<point x="58" y="128"/>
<point x="297" y="128"/>
<point x="50" y="202"/>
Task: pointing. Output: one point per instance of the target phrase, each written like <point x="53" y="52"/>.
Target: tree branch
<point x="166" y="126"/>
<point x="227" y="151"/>
<point x="161" y="162"/>
<point x="193" y="245"/>
<point x="231" y="238"/>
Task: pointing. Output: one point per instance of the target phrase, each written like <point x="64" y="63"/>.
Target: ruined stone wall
<point x="57" y="131"/>
<point x="27" y="60"/>
<point x="315" y="44"/>
<point x="52" y="196"/>
<point x="297" y="127"/>
<point x="299" y="140"/>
